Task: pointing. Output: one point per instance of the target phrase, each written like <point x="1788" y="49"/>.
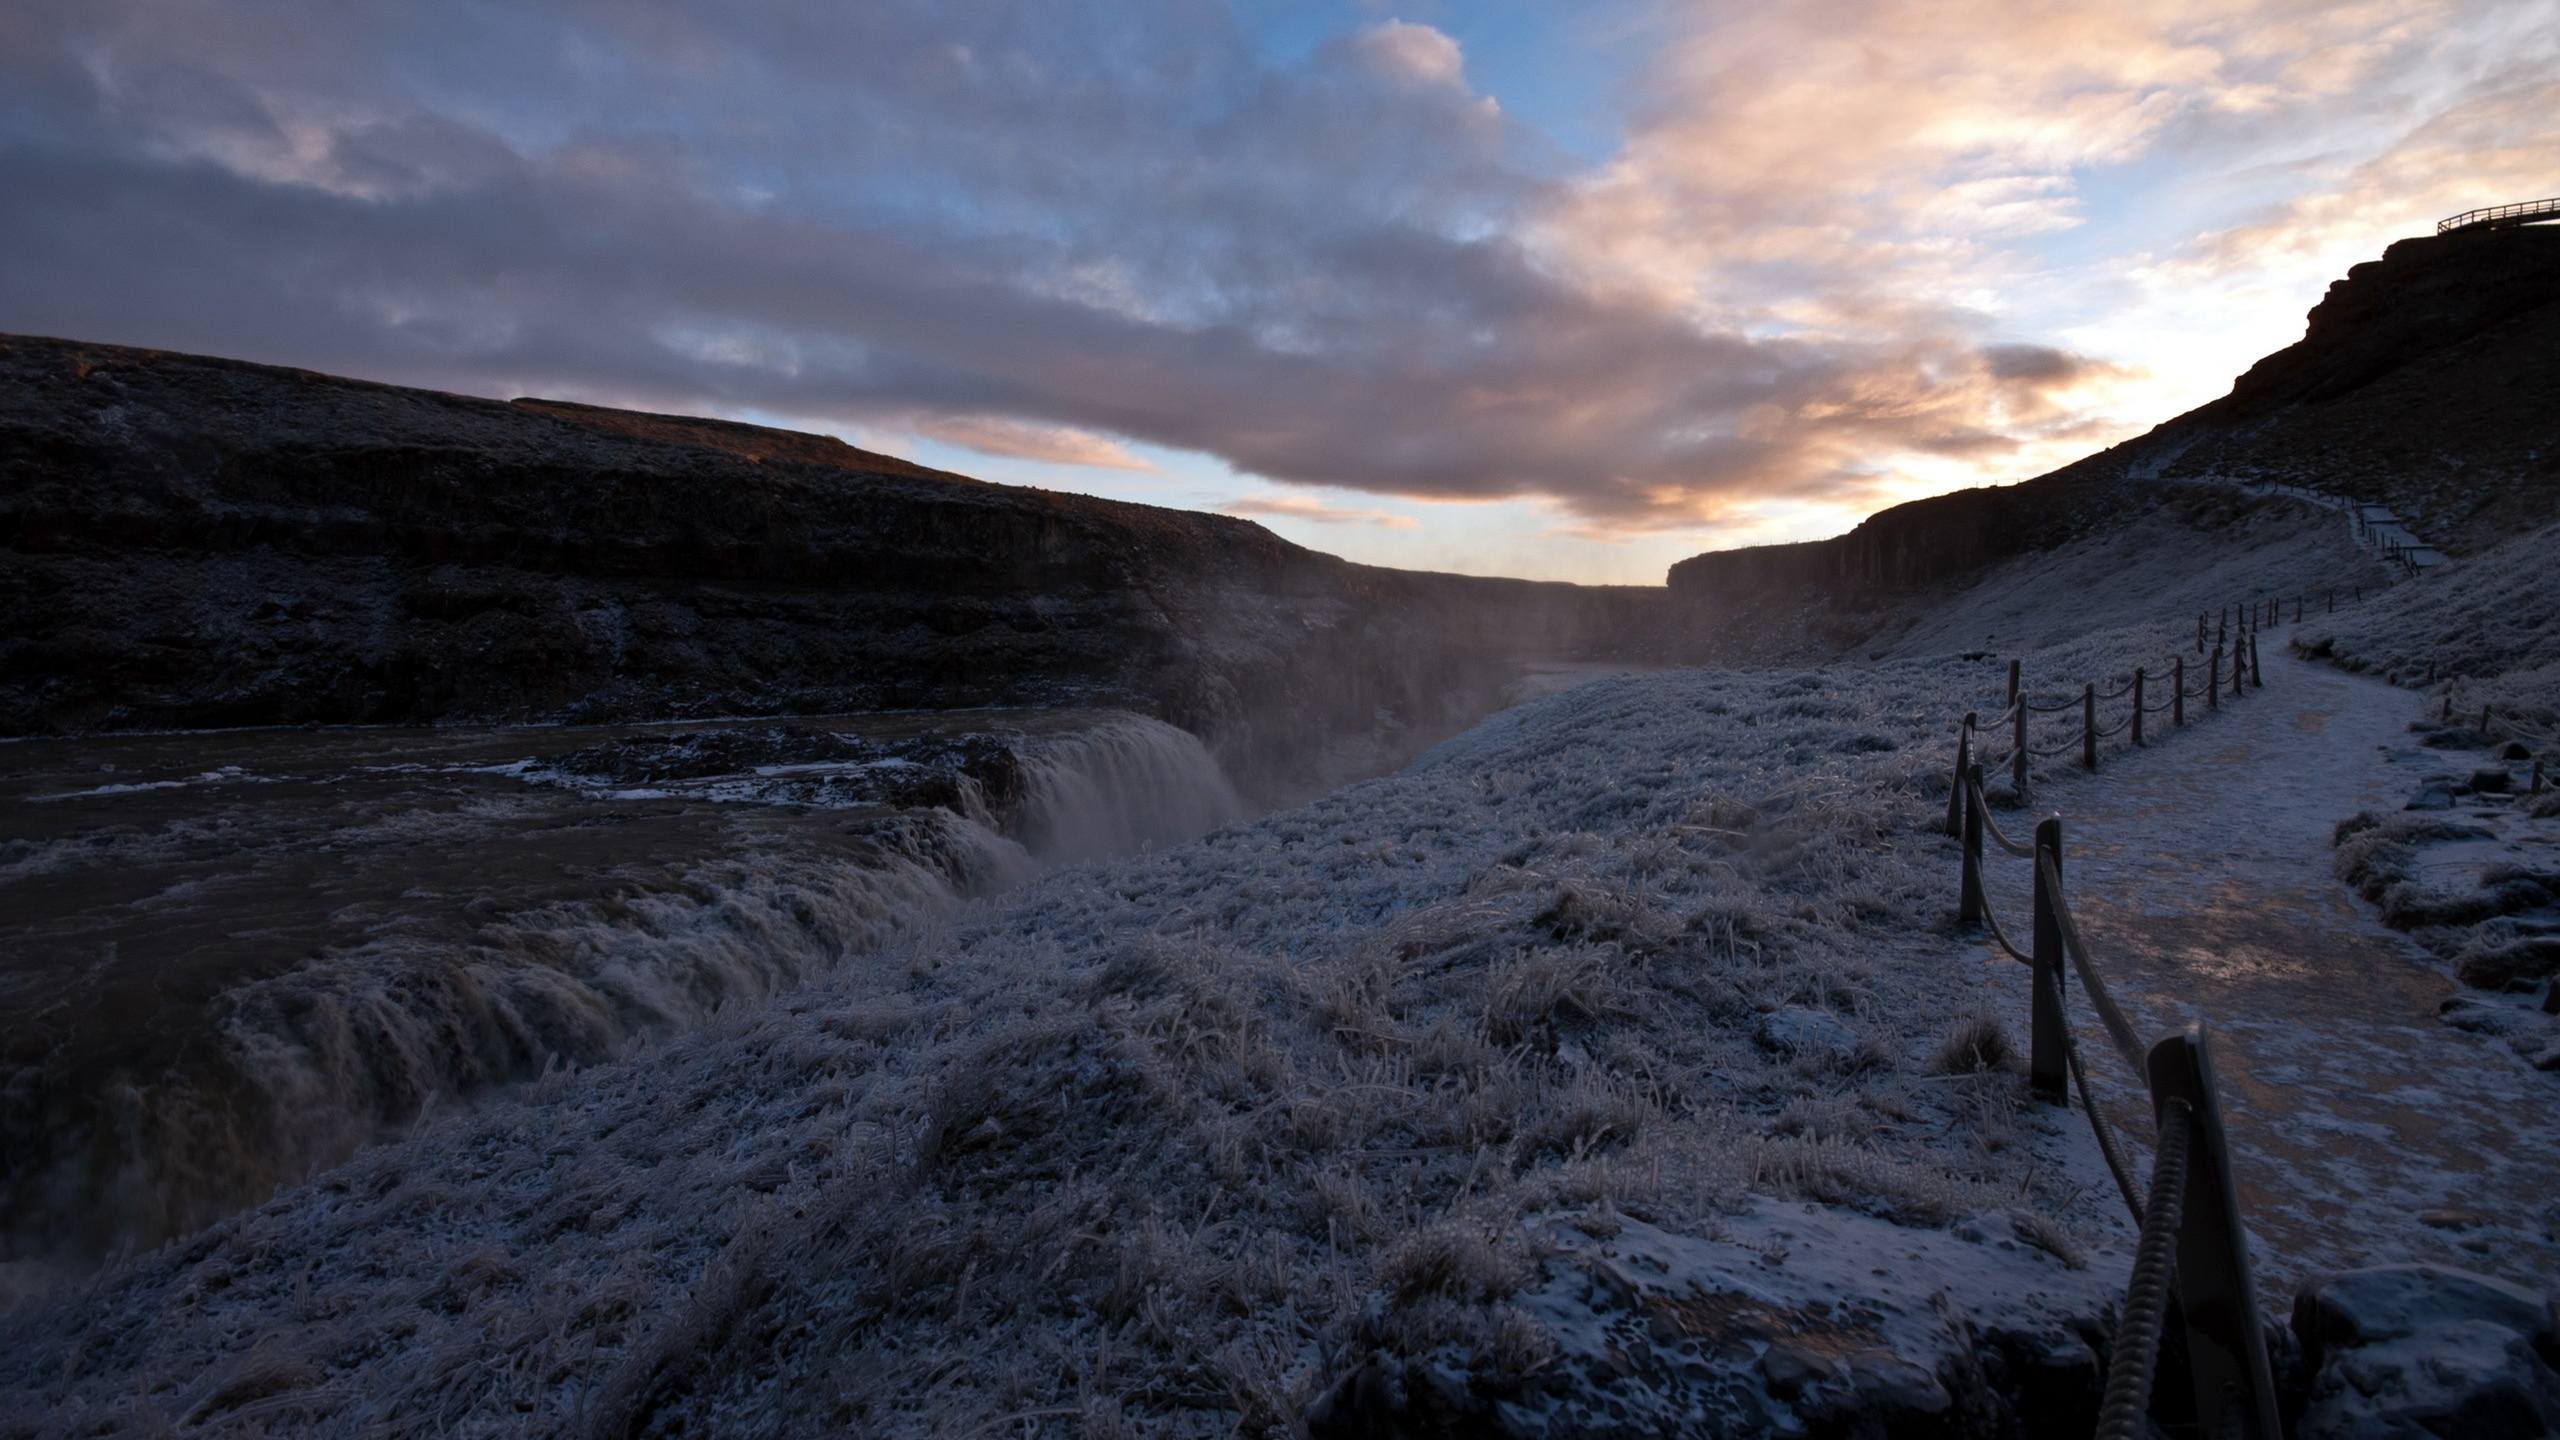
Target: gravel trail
<point x="2368" y="1131"/>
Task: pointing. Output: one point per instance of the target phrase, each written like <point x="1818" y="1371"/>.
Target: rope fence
<point x="2192" y="1249"/>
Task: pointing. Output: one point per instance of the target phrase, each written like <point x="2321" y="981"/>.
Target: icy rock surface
<point x="2424" y="1350"/>
<point x="1796" y="1319"/>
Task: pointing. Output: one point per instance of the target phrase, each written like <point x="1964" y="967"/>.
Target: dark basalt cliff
<point x="199" y="542"/>
<point x="2426" y="380"/>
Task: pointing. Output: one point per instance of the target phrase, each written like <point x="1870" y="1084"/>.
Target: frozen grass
<point x="1140" y="1147"/>
<point x="2487" y="629"/>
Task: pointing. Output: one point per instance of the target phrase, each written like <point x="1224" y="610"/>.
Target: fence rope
<point x="2051" y="709"/>
<point x="2124" y="689"/>
<point x="2098" y="1126"/>
<point x="1993" y="920"/>
<point x="2118" y="728"/>
<point x="2119" y="1030"/>
<point x="2124" y="1414"/>
<point x="1992" y="828"/>
<point x="2041" y="753"/>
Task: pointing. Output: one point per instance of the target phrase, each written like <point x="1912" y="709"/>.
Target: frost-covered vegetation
<point x="2488" y="628"/>
<point x="1153" y="1146"/>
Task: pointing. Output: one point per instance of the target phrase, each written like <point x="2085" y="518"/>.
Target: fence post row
<point x="2089" y="726"/>
<point x="2217" y="1297"/>
<point x="2193" y="1224"/>
<point x="1969" y="898"/>
<point x="1964" y="766"/>
<point x="2048" y="1065"/>
<point x="2018" y="737"/>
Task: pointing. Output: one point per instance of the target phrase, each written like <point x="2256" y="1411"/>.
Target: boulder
<point x="2426" y="1350"/>
<point x="2497" y="967"/>
<point x="2434" y="795"/>
<point x="2491" y="780"/>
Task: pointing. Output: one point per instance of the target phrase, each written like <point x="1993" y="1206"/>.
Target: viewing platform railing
<point x="2523" y="212"/>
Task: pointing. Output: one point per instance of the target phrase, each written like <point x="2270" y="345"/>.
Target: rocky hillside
<point x="2424" y="381"/>
<point x="198" y="542"/>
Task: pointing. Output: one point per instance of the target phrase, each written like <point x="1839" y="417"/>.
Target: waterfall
<point x="288" y="1074"/>
<point x="1120" y="786"/>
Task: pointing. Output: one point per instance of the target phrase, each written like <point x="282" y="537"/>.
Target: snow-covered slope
<point x="1149" y="1143"/>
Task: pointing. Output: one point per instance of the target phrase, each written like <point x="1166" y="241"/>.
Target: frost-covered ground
<point x="2464" y="856"/>
<point x="1158" y="1144"/>
<point x="1174" y="1144"/>
<point x="2366" y="1131"/>
<point x="2486" y="629"/>
<point x="2203" y="550"/>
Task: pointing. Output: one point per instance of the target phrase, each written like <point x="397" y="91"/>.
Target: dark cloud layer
<point x="1044" y="219"/>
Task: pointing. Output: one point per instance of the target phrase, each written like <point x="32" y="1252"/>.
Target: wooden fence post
<point x="1964" y="763"/>
<point x="1969" y="895"/>
<point x="2213" y="682"/>
<point x="2199" y="632"/>
<point x="2537" y="779"/>
<point x="2048" y="1068"/>
<point x="2013" y="682"/>
<point x="2217" y="1296"/>
<point x="2257" y="673"/>
<point x="2178" y="693"/>
<point x="2222" y="628"/>
<point x="2089" y="726"/>
<point x="2447" y="717"/>
<point x="2297" y="609"/>
<point x="2484" y="719"/>
<point x="2137" y="707"/>
<point x="2018" y="761"/>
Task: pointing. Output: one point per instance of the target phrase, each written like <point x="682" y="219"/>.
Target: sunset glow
<point x="1559" y="291"/>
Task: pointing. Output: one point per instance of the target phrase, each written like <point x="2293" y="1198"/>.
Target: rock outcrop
<point x="2421" y="1350"/>
<point x="198" y="542"/>
<point x="2423" y="381"/>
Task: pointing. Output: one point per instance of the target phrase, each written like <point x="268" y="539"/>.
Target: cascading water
<point x="784" y="871"/>
<point x="1120" y="786"/>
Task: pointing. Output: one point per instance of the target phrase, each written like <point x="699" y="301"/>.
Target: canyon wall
<point x="2424" y="380"/>
<point x="198" y="542"/>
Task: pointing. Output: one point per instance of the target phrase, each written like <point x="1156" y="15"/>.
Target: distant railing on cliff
<point x="2192" y="1243"/>
<point x="2523" y="212"/>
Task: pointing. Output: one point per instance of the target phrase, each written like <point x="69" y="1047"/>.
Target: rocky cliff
<point x="200" y="542"/>
<point x="2425" y="380"/>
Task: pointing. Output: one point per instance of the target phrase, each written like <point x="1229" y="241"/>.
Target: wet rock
<point x="2490" y="780"/>
<point x="2495" y="968"/>
<point x="2426" y="1350"/>
<point x="1799" y="1031"/>
<point x="2431" y="796"/>
<point x="2515" y="750"/>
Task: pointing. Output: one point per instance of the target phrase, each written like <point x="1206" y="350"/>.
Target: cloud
<point x="1060" y="231"/>
<point x="1024" y="440"/>
<point x="1308" y="507"/>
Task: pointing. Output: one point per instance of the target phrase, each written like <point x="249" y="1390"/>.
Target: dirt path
<point x="2368" y="1131"/>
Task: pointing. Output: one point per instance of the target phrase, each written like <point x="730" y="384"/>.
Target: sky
<point x="1563" y="290"/>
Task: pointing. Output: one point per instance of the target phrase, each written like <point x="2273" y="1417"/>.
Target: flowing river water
<point x="228" y="959"/>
